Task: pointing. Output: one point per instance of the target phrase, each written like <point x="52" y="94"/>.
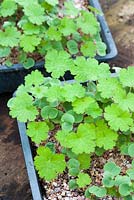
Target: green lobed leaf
<point x="38" y="131"/>
<point x="34" y="79"/>
<point x="53" y="34"/>
<point x="29" y="42"/>
<point x="57" y="62"/>
<point x="83" y="179"/>
<point x="126" y="77"/>
<point x="105" y="137"/>
<point x="7" y="8"/>
<point x="35" y="13"/>
<point x="67" y="26"/>
<point x="71" y="91"/>
<point x="83" y="141"/>
<point x="117" y="118"/>
<point x="48" y="164"/>
<point x="88" y="49"/>
<point x="83" y="23"/>
<point x="9" y="37"/>
<point x="89" y="69"/>
<point x="23" y="102"/>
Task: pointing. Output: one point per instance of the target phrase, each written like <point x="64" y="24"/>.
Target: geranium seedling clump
<point x="72" y="122"/>
<point x="37" y="30"/>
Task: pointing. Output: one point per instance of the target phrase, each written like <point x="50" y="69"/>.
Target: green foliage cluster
<point x="114" y="183"/>
<point x="41" y="26"/>
<point x="84" y="119"/>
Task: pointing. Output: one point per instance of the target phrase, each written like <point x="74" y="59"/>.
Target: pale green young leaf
<point x="125" y="101"/>
<point x="88" y="23"/>
<point x="130" y="173"/>
<point x="48" y="164"/>
<point x="108" y="87"/>
<point x="62" y="137"/>
<point x="35" y="13"/>
<point x="105" y="137"/>
<point x="7" y="8"/>
<point x="30" y="29"/>
<point x="81" y="105"/>
<point x="88" y="49"/>
<point x="89" y="69"/>
<point x="73" y="91"/>
<point x="117" y="118"/>
<point x="54" y="93"/>
<point x="9" y="37"/>
<point x="53" y="33"/>
<point x="126" y="77"/>
<point x="38" y="91"/>
<point x="83" y="141"/>
<point x="38" y="131"/>
<point x="34" y="79"/>
<point x="67" y="26"/>
<point x="58" y="62"/>
<point x="83" y="180"/>
<point x="29" y="42"/>
<point x="21" y="107"/>
<point x="70" y="9"/>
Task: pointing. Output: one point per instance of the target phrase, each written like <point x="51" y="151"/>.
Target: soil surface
<point x="120" y="17"/>
<point x="14" y="183"/>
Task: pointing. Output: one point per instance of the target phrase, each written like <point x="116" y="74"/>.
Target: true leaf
<point x="38" y="131"/>
<point x="58" y="62"/>
<point x="83" y="180"/>
<point x="7" y="8"/>
<point x="117" y="118"/>
<point x="35" y="13"/>
<point x="29" y="42"/>
<point x="9" y="37"/>
<point x="126" y="77"/>
<point x="83" y="140"/>
<point x="48" y="164"/>
<point x="23" y="102"/>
